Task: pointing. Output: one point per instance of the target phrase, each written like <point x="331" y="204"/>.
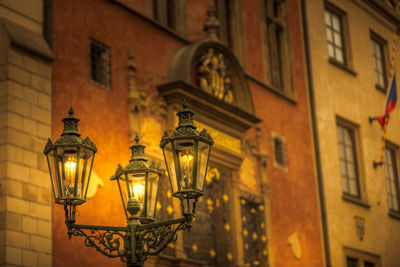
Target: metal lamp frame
<point x="141" y="237"/>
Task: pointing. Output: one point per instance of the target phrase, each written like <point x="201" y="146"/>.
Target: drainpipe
<point x="315" y="135"/>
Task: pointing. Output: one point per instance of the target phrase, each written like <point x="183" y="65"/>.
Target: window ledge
<point x="356" y="201"/>
<point x="342" y="66"/>
<point x="289" y="96"/>
<point x="380" y="88"/>
<point x="104" y="87"/>
<point x="394" y="214"/>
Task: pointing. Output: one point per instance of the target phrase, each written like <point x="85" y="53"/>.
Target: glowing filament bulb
<point x="70" y="169"/>
<point x="138" y="191"/>
<point x="187" y="161"/>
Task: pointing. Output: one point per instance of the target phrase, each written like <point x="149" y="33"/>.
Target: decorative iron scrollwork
<point x="107" y="242"/>
<point x="157" y="239"/>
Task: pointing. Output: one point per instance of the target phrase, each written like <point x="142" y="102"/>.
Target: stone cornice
<point x="26" y="39"/>
<point x="386" y="10"/>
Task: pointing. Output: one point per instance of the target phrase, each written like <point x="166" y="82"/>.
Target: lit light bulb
<point x="138" y="192"/>
<point x="187" y="161"/>
<point x="69" y="169"/>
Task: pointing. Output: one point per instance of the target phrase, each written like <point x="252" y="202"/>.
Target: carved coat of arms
<point x="212" y="76"/>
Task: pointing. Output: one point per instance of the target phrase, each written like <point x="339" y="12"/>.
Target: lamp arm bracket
<point x="160" y="224"/>
<point x="155" y="237"/>
<point x="105" y="239"/>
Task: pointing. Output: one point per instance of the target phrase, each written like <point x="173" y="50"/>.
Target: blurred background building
<point x="25" y="124"/>
<point x="351" y="55"/>
<point x="257" y="74"/>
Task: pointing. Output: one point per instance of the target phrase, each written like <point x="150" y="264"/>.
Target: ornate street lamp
<point x="186" y="153"/>
<point x="70" y="161"/>
<point x="141" y="183"/>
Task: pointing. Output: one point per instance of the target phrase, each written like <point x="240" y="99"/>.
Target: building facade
<point x="126" y="66"/>
<point x="350" y="52"/>
<point x="25" y="124"/>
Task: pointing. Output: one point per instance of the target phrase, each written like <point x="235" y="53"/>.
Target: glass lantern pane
<point x="187" y="205"/>
<point x="67" y="164"/>
<point x="152" y="188"/>
<point x="203" y="154"/>
<point x="169" y="162"/>
<point x="185" y="154"/>
<point x="54" y="175"/>
<point x="85" y="167"/>
<point x="136" y="187"/>
<point x="123" y="192"/>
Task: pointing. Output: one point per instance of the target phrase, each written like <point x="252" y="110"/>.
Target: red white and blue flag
<point x="391" y="100"/>
<point x="392" y="96"/>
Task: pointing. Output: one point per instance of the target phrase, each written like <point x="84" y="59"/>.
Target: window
<point x="392" y="178"/>
<point x="378" y="55"/>
<point x="277" y="49"/>
<point x="170" y="13"/>
<point x="356" y="258"/>
<point x="348" y="161"/>
<point x="224" y="13"/>
<point x="229" y="14"/>
<point x="99" y="63"/>
<point x="352" y="262"/>
<point x="334" y="35"/>
<point x="279" y="151"/>
<point x="163" y="11"/>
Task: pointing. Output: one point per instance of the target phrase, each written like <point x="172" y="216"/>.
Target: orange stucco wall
<point x="104" y="117"/>
<point x="293" y="194"/>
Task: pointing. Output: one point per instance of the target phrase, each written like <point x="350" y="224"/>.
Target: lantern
<point x="186" y="153"/>
<point x="70" y="161"/>
<point x="141" y="183"/>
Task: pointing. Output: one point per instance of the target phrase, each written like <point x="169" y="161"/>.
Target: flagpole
<point x="384" y="120"/>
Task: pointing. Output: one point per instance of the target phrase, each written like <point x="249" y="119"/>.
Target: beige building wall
<point x="25" y="125"/>
<point x="351" y="96"/>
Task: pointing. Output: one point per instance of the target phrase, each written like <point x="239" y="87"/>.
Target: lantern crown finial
<point x="71" y="124"/>
<point x="185" y="117"/>
<point x="138" y="151"/>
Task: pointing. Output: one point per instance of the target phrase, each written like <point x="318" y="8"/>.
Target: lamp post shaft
<point x="132" y="226"/>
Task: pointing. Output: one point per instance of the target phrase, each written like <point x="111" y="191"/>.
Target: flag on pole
<point x="391" y="99"/>
<point x="392" y="96"/>
<point x="390" y="104"/>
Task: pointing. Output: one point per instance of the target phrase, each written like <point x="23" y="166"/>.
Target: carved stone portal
<point x="212" y="76"/>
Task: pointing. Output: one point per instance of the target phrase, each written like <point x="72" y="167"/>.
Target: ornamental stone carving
<point x="360" y="227"/>
<point x="212" y="75"/>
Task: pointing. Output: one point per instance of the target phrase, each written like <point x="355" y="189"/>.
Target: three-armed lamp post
<point x="186" y="153"/>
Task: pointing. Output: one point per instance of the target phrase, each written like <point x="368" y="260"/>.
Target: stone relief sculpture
<point x="146" y="109"/>
<point x="212" y="76"/>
